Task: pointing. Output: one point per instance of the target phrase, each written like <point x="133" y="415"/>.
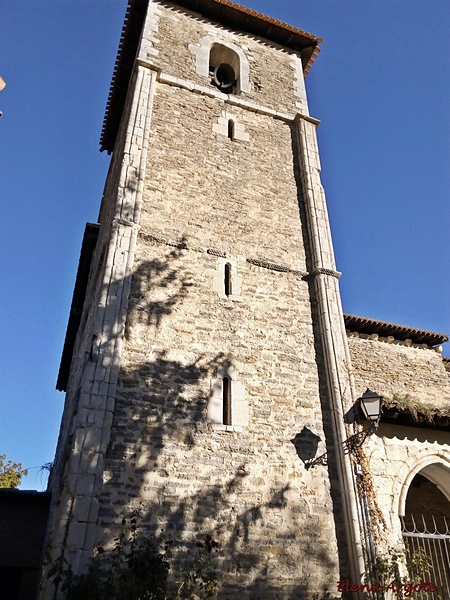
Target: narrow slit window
<point x="227" y="279"/>
<point x="231" y="129"/>
<point x="226" y="399"/>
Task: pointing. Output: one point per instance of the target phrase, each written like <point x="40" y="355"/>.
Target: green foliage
<point x="84" y="586"/>
<point x="137" y="569"/>
<point x="416" y="408"/>
<point x="387" y="572"/>
<point x="199" y="576"/>
<point x="419" y="564"/>
<point x="386" y="567"/>
<point x="11" y="473"/>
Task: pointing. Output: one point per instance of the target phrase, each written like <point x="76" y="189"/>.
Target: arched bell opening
<point x="224" y="68"/>
<point x="426" y="528"/>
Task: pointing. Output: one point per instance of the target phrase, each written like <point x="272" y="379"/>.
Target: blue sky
<point x="380" y="86"/>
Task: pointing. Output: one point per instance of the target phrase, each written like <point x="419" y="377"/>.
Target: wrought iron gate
<point x="431" y="536"/>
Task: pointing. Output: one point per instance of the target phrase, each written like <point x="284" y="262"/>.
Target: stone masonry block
<point x="81" y="508"/>
<point x="76" y="537"/>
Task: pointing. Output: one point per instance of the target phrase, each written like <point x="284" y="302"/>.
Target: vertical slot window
<point x="226" y="400"/>
<point x="227" y="279"/>
<point x="231" y="129"/>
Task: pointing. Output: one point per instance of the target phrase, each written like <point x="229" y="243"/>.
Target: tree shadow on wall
<point x="186" y="479"/>
<point x="157" y="286"/>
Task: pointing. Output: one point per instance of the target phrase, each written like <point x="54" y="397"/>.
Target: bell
<point x="224" y="76"/>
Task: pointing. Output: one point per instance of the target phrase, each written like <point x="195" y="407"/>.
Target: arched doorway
<point x="426" y="526"/>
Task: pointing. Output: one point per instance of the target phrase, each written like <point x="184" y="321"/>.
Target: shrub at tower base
<point x="138" y="568"/>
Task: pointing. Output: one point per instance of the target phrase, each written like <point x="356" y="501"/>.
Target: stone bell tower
<point x="206" y="331"/>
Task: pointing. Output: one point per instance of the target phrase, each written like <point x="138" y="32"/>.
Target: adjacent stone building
<point x="23" y="519"/>
<point x="206" y="361"/>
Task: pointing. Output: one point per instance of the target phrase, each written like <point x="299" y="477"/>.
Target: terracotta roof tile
<point x="400" y="332"/>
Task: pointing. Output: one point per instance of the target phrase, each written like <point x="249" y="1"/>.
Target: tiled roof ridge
<point x="272" y="20"/>
<point x="366" y="325"/>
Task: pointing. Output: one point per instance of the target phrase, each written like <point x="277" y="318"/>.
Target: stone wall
<point x="248" y="488"/>
<point x="238" y="196"/>
<point x="392" y="367"/>
<point x="209" y="199"/>
<point x="424" y="498"/>
<point x="396" y="453"/>
<point x="200" y="179"/>
<point x="172" y="36"/>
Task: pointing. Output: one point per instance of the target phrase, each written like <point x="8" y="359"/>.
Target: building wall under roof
<point x="413" y="375"/>
<point x="396" y="368"/>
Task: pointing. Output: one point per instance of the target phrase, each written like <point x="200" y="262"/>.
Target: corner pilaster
<point x="73" y="520"/>
<point x="332" y="329"/>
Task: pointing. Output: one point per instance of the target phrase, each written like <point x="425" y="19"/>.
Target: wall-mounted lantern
<point x="370" y="404"/>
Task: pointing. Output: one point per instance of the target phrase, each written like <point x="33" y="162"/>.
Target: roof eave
<point x="395" y="415"/>
<point x="399" y="332"/>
